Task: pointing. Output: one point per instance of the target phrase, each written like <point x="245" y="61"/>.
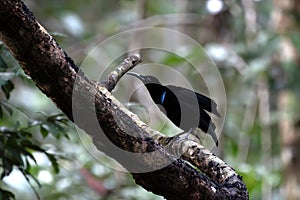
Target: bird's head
<point x="145" y="79"/>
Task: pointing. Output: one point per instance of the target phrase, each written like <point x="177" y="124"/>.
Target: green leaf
<point x="26" y="175"/>
<point x="57" y="124"/>
<point x="44" y="129"/>
<point x="5" y="107"/>
<point x="55" y="129"/>
<point x="14" y="156"/>
<point x="54" y="162"/>
<point x="29" y="154"/>
<point x="4" y="194"/>
<point x="7" y="168"/>
<point x="3" y="64"/>
<point x="7" y="88"/>
<point x="58" y="117"/>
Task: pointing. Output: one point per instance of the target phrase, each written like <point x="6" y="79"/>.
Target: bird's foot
<point x="194" y="135"/>
<point x="190" y="135"/>
<point x="201" y="136"/>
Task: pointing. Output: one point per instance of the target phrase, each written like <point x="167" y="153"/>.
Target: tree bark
<point x="153" y="166"/>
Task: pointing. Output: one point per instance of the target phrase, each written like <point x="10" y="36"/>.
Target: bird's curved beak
<point x="139" y="76"/>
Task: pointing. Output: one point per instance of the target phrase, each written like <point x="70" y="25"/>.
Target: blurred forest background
<point x="255" y="45"/>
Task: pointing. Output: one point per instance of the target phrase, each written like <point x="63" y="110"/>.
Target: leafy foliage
<point x="5" y="78"/>
<point x="6" y="195"/>
<point x="17" y="145"/>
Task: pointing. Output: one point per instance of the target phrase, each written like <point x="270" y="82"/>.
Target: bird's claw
<point x="183" y="136"/>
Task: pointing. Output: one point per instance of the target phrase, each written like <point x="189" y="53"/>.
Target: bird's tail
<point x="208" y="104"/>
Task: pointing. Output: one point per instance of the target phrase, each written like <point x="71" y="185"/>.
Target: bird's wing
<point x="187" y="98"/>
<point x="190" y="96"/>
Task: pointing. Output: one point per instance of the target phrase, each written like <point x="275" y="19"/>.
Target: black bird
<point x="185" y="108"/>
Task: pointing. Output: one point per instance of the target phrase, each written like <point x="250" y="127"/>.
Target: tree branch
<point x="121" y="134"/>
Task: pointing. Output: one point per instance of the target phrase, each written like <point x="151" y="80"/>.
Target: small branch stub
<point x="127" y="64"/>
